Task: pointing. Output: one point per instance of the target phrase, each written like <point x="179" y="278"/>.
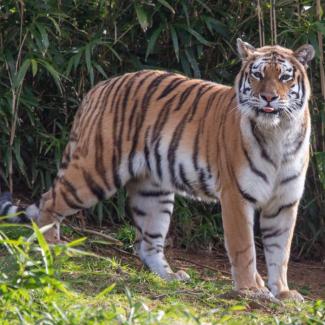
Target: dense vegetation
<point x="52" y="52"/>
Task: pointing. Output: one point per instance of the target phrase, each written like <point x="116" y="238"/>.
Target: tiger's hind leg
<point x="73" y="190"/>
<point x="151" y="209"/>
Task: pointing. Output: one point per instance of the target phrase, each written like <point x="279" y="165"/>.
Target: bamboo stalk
<point x="260" y="23"/>
<point x="273" y="22"/>
<point x="16" y="92"/>
<point x="321" y="69"/>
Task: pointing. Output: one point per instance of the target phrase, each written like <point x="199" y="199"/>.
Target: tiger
<point x="158" y="133"/>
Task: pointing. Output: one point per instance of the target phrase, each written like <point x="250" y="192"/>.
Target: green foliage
<point x="52" y="52"/>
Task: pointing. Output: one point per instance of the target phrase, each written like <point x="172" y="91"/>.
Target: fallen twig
<point x="202" y="265"/>
<point x="97" y="233"/>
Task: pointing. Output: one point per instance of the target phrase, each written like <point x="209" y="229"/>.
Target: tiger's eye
<point x="257" y="75"/>
<point x="285" y="77"/>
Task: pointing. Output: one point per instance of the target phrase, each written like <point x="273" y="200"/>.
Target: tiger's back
<point x="144" y="123"/>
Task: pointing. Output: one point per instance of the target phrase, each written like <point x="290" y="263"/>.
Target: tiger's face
<point x="272" y="86"/>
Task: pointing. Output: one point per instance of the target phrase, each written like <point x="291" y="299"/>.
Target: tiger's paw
<point x="178" y="276"/>
<point x="292" y="295"/>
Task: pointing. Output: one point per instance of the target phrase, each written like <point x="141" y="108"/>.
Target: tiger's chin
<point x="263" y="119"/>
<point x="267" y="120"/>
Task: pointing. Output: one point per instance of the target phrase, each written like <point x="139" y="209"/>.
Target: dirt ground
<point x="308" y="277"/>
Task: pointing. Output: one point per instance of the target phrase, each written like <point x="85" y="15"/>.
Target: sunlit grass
<point x="64" y="285"/>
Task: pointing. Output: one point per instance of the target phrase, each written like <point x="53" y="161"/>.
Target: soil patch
<point x="307" y="277"/>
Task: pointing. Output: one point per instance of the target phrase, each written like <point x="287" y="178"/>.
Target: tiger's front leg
<point x="277" y="225"/>
<point x="238" y="219"/>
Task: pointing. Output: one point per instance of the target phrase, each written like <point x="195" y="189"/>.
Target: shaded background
<point x="52" y="52"/>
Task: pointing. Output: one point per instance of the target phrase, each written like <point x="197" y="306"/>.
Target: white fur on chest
<point x="266" y="175"/>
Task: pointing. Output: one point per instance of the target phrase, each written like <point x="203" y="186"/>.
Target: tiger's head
<point x="272" y="86"/>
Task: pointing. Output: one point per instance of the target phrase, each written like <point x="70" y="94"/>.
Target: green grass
<point x="65" y="285"/>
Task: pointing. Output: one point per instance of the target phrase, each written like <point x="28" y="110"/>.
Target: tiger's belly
<point x="178" y="173"/>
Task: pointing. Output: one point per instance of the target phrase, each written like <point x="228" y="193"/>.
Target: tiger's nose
<point x="268" y="97"/>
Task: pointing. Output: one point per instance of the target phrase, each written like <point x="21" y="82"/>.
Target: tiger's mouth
<point x="269" y="110"/>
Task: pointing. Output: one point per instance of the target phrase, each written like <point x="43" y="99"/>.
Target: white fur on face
<point x="289" y="107"/>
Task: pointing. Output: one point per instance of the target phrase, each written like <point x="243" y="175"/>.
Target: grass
<point x="65" y="285"/>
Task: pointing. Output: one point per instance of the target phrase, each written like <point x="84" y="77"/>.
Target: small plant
<point x="126" y="234"/>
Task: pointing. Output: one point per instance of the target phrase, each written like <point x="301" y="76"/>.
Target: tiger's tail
<point x="17" y="214"/>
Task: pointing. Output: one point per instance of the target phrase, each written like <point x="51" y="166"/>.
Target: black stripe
<point x="126" y="94"/>
<point x="158" y="159"/>
<point x="166" y="212"/>
<point x="99" y="158"/>
<point x="300" y="140"/>
<point x="151" y="89"/>
<point x="96" y="189"/>
<point x="23" y="218"/>
<point x="131" y="118"/>
<point x="209" y="103"/>
<point x="290" y="178"/>
<point x="245" y="195"/>
<point x="171" y="154"/>
<point x="146" y="149"/>
<point x="99" y="161"/>
<point x="69" y="202"/>
<point x="260" y="140"/>
<point x="166" y="201"/>
<point x="161" y="119"/>
<point x="147" y="240"/>
<point x="268" y="247"/>
<point x="253" y="167"/>
<point x="282" y="207"/>
<point x="271" y="232"/>
<point x="195" y="154"/>
<point x="138" y="211"/>
<point x="6" y="209"/>
<point x="173" y="85"/>
<point x="154" y="193"/>
<point x="154" y="235"/>
<point x="184" y="96"/>
<point x="203" y="184"/>
<point x="202" y="90"/>
<point x="72" y="190"/>
<point x="185" y="181"/>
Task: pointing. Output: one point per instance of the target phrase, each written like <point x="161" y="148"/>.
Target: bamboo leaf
<point x="175" y="41"/>
<point x="44" y="36"/>
<point x="45" y="250"/>
<point x="152" y="41"/>
<point x="167" y="5"/>
<point x="193" y="63"/>
<point x="194" y="33"/>
<point x="142" y="17"/>
<point x="21" y="73"/>
<point x="34" y="67"/>
<point x="53" y="72"/>
<point x="100" y="70"/>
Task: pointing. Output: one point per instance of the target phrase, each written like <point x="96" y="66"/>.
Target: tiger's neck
<point x="277" y="145"/>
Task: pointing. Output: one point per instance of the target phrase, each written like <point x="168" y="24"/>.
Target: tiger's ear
<point x="244" y="49"/>
<point x="305" y="54"/>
